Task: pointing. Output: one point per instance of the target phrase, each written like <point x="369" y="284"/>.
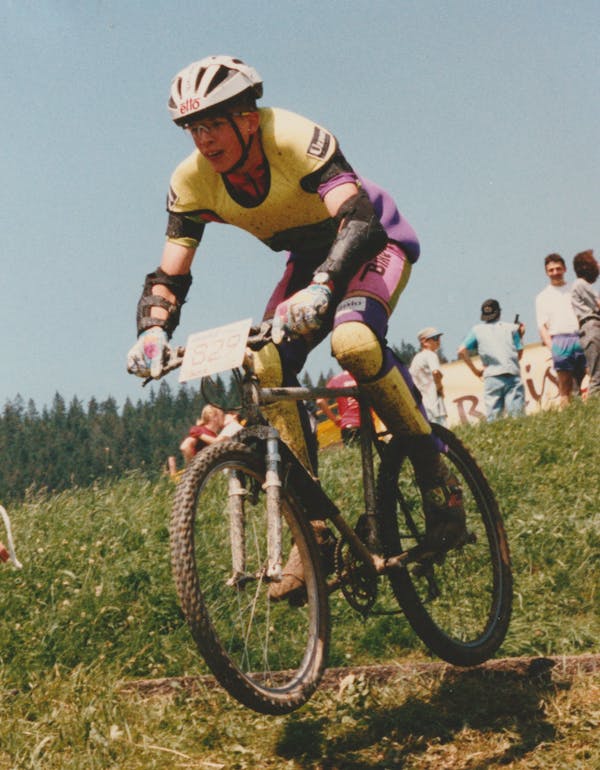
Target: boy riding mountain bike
<point x="285" y="179"/>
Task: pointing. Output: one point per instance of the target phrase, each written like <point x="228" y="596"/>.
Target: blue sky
<point x="480" y="118"/>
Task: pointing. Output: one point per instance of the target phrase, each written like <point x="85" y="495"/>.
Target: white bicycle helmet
<point x="208" y="83"/>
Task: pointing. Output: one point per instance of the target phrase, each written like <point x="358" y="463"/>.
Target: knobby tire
<point x="460" y="607"/>
<point x="269" y="655"/>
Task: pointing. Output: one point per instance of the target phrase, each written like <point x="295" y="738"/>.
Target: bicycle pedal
<point x="467" y="538"/>
<point x="239" y="580"/>
<point x="423" y="569"/>
<point x="421" y="553"/>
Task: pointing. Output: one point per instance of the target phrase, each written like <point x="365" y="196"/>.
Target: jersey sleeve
<point x="470" y="342"/>
<point x="434" y="362"/>
<point x="517" y="339"/>
<point x="308" y="148"/>
<point x="336" y="171"/>
<point x="187" y="207"/>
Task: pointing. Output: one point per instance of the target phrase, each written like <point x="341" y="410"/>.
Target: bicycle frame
<point x="264" y="652"/>
<point x="254" y="396"/>
<point x="369" y="553"/>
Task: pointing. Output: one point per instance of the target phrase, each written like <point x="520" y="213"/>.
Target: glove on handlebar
<point x="147" y="357"/>
<point x="302" y="313"/>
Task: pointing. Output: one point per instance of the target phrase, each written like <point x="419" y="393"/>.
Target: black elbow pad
<point x="360" y="238"/>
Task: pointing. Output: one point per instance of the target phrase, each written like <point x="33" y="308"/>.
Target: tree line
<point x="68" y="445"/>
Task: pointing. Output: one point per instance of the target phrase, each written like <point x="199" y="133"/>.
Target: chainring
<point x="357" y="584"/>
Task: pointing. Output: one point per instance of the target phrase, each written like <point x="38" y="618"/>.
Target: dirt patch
<point x="558" y="665"/>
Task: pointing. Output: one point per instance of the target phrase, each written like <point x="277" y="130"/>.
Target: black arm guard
<point x="178" y="284"/>
<point x="360" y="238"/>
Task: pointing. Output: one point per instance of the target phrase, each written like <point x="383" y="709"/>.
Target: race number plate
<point x="215" y="350"/>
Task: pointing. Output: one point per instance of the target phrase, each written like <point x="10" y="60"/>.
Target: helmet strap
<point x="245" y="146"/>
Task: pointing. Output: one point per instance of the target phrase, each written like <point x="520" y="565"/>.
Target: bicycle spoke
<point x="458" y="602"/>
<point x="267" y="653"/>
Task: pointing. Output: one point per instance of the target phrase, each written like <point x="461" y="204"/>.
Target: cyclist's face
<point x="217" y="141"/>
<point x="556" y="273"/>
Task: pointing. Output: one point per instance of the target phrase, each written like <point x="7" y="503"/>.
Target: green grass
<point x="94" y="605"/>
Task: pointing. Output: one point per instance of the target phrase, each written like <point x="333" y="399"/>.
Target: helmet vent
<point x="220" y="75"/>
<point x="199" y="77"/>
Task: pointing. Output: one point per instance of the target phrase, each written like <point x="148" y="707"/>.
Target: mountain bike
<point x="243" y="503"/>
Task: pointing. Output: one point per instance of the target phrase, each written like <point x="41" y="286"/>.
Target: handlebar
<point x="174" y="360"/>
<point x="258" y="337"/>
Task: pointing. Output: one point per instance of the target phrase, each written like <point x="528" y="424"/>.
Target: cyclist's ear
<point x="252" y="122"/>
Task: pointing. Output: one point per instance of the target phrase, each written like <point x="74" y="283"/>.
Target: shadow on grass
<point x="506" y="704"/>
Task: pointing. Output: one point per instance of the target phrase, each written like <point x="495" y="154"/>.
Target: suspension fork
<point x="237" y="527"/>
<point x="273" y="493"/>
<point x="237" y="518"/>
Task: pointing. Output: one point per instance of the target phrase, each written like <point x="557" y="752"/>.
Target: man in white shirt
<point x="426" y="372"/>
<point x="559" y="329"/>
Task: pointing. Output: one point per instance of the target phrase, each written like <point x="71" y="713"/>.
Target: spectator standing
<point x="500" y="347"/>
<point x="586" y="306"/>
<point x="559" y="329"/>
<point x="347" y="418"/>
<point x="426" y="372"/>
<point x="204" y="432"/>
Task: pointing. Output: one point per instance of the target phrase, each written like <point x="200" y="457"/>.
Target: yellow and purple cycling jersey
<point x="286" y="210"/>
<point x="282" y="204"/>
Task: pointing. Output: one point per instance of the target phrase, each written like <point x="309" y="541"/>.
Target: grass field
<point x="94" y="606"/>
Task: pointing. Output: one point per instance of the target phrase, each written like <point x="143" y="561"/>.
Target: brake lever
<point x="174" y="362"/>
<point x="259" y="336"/>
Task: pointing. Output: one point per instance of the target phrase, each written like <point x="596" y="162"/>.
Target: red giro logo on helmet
<point x="190" y="105"/>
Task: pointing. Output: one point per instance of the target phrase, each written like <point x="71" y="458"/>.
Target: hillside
<point x="94" y="606"/>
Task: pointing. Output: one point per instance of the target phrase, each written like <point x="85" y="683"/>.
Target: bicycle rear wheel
<point x="268" y="655"/>
<point x="461" y="606"/>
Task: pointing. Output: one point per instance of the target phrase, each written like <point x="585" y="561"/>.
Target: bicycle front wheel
<point x="459" y="604"/>
<point x="267" y="654"/>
